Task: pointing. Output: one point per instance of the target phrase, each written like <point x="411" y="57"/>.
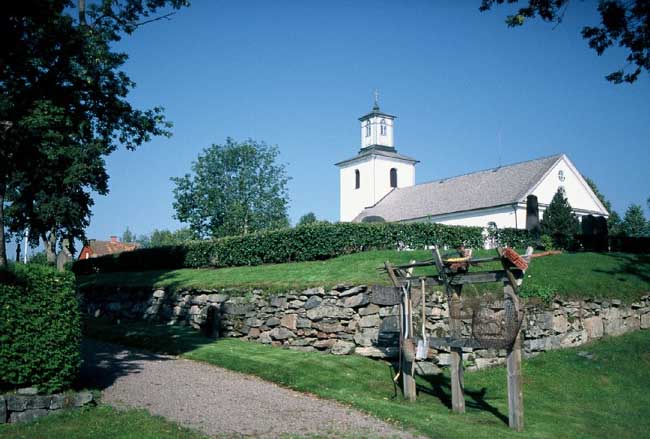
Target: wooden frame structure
<point x="452" y="275"/>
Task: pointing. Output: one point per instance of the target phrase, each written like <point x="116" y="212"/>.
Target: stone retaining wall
<point x="359" y="319"/>
<point x="26" y="405"/>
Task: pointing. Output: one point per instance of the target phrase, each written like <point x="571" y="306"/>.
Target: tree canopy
<point x="234" y="189"/>
<point x="559" y="221"/>
<point x="622" y="23"/>
<point x="634" y="222"/>
<point x="64" y="108"/>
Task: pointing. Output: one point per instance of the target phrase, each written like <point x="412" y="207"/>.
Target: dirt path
<point x="218" y="401"/>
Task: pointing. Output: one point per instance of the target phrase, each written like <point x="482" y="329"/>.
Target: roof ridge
<point x="489" y="169"/>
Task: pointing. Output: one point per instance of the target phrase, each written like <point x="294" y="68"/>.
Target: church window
<point x="368" y="129"/>
<point x="383" y="127"/>
<point x="393" y="177"/>
<point x="357" y="179"/>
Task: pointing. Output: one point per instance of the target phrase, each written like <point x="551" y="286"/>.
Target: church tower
<point x="377" y="169"/>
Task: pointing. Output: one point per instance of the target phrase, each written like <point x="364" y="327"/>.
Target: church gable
<point x="565" y="175"/>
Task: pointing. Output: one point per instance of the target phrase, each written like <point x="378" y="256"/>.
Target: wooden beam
<point x="441" y="342"/>
<point x="470" y="278"/>
<point x="408" y="347"/>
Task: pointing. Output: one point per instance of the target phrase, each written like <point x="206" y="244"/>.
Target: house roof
<point x="102" y="248"/>
<point x="491" y="187"/>
<point x="380" y="150"/>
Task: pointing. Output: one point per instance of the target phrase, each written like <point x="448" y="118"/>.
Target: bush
<point x="305" y="243"/>
<point x="40" y="328"/>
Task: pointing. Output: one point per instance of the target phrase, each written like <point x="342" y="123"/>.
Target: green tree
<point x="63" y="109"/>
<point x="622" y="23"/>
<point x="634" y="222"/>
<point x="308" y="218"/>
<point x="234" y="189"/>
<point x="614" y="222"/>
<point x="160" y="238"/>
<point x="128" y="236"/>
<point x="559" y="221"/>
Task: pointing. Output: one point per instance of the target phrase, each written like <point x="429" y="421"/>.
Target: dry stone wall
<point x="358" y="319"/>
<point x="26" y="404"/>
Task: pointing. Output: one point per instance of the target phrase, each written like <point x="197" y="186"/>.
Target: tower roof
<point x="378" y="150"/>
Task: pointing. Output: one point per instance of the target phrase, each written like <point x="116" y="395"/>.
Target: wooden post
<point x="408" y="348"/>
<point x="515" y="388"/>
<point x="456" y="356"/>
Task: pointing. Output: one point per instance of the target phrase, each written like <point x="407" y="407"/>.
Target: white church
<point x="378" y="184"/>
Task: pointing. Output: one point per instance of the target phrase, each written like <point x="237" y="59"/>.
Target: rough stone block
<point x="594" y="327"/>
<point x="352" y="291"/>
<point x="279" y="302"/>
<point x="645" y="321"/>
<point x="382" y="295"/>
<point x="27" y="415"/>
<point x="289" y="321"/>
<point x="28" y="391"/>
<point x="342" y="347"/>
<point x="218" y="298"/>
<point x="426" y="368"/>
<point x="366" y="337"/>
<point x="159" y="294"/>
<point x="560" y="324"/>
<point x="313" y="302"/>
<point x="314" y="292"/>
<point x="324" y="344"/>
<point x="330" y="311"/>
<point x="265" y="337"/>
<point x="281" y="334"/>
<point x="370" y="321"/>
<point x="329" y="327"/>
<point x="377" y="351"/>
<point x="254" y="332"/>
<point x="272" y="322"/>
<point x="303" y="323"/>
<point x="368" y="310"/>
<point x="238" y="308"/>
<point x="356" y="301"/>
<point x="82" y="398"/>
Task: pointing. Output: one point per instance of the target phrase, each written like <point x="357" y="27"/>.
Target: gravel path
<point x="218" y="401"/>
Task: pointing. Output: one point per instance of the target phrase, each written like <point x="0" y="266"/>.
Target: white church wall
<point x="577" y="191"/>
<point x="374" y="172"/>
<point x="504" y="216"/>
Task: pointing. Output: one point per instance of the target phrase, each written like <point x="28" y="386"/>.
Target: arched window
<point x="393" y="177"/>
<point x="368" y="129"/>
<point x="357" y="179"/>
<point x="383" y="127"/>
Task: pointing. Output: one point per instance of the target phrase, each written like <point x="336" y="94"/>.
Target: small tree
<point x="306" y="219"/>
<point x="128" y="236"/>
<point x="634" y="222"/>
<point x="559" y="221"/>
<point x="234" y="189"/>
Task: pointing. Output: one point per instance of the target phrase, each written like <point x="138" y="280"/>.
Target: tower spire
<point x="376" y="106"/>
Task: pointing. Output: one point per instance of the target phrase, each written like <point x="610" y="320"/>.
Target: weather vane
<point x="376" y="93"/>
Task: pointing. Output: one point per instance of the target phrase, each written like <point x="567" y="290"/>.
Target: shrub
<point x="547" y="242"/>
<point x="40" y="328"/>
<point x="305" y="243"/>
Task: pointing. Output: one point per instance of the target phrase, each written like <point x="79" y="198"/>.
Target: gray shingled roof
<point x="378" y="150"/>
<point x="492" y="187"/>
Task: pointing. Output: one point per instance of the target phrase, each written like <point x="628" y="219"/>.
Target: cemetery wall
<point x="363" y="320"/>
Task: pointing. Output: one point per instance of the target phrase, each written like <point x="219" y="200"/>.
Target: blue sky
<point x="298" y="74"/>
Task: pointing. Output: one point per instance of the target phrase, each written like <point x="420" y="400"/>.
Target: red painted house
<point x="95" y="248"/>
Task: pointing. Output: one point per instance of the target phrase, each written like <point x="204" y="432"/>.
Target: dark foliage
<point x="305" y="243"/>
<point x="40" y="329"/>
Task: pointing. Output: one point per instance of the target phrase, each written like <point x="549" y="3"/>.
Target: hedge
<point x="40" y="328"/>
<point x="304" y="243"/>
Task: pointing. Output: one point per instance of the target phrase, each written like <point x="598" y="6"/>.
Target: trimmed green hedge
<point x="305" y="243"/>
<point x="40" y="328"/>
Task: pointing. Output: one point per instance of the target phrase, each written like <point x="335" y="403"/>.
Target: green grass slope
<point x="618" y="275"/>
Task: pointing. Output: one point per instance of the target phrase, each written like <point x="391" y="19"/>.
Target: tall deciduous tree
<point x="614" y="220"/>
<point x="63" y="103"/>
<point x="622" y="23"/>
<point x="634" y="222"/>
<point x="234" y="189"/>
<point x="559" y="221"/>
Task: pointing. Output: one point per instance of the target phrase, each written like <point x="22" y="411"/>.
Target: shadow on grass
<point x="439" y="386"/>
<point x="637" y="265"/>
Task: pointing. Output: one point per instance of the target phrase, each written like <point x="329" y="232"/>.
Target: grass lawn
<point x="565" y="395"/>
<point x="101" y="422"/>
<point x="619" y="275"/>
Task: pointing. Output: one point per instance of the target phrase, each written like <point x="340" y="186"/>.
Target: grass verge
<point x="566" y="395"/>
<point x="101" y="422"/>
<point x="571" y="275"/>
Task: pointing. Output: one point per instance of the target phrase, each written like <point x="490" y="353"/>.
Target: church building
<point x="378" y="184"/>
